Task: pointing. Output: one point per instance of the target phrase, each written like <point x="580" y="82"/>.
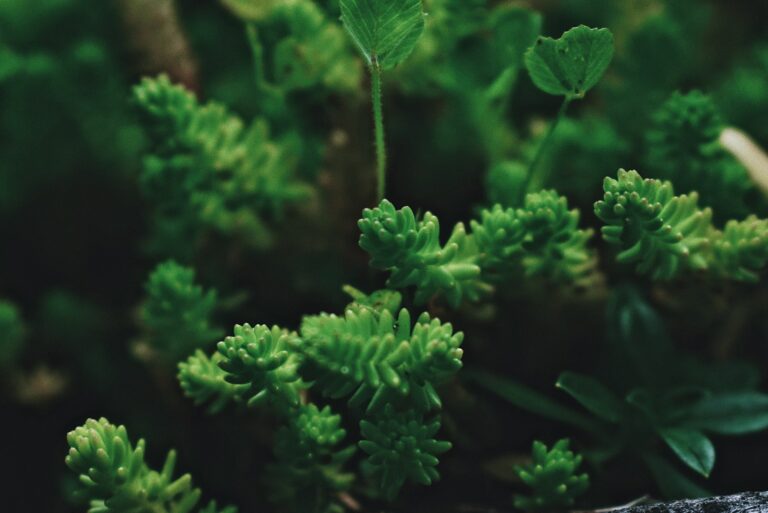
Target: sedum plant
<point x="552" y="477"/>
<point x="114" y="477"/>
<point x="540" y="239"/>
<point x="209" y="171"/>
<point x="351" y="403"/>
<point x="666" y="235"/>
<point x="176" y="314"/>
<point x="387" y="367"/>
<point x="683" y="146"/>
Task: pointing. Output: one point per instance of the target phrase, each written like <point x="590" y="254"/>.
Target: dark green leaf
<point x="592" y="395"/>
<point x="572" y="65"/>
<point x="692" y="447"/>
<point x="672" y="483"/>
<point x="530" y="400"/>
<point x="386" y="31"/>
<point x="731" y="414"/>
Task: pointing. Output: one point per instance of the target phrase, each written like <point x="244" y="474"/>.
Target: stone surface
<point x="748" y="502"/>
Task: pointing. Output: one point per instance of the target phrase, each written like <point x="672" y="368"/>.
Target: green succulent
<point x="683" y="146"/>
<point x="553" y="478"/>
<point x="410" y="248"/>
<point x="542" y="238"/>
<point x="114" y="477"/>
<point x="401" y="447"/>
<point x="208" y="171"/>
<point x="176" y="314"/>
<point x="375" y="357"/>
<point x="262" y="358"/>
<point x="661" y="233"/>
<point x="204" y="381"/>
<point x="309" y="459"/>
<point x="740" y="252"/>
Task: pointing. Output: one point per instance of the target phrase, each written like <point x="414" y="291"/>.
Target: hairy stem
<point x="378" y="120"/>
<point x="529" y="179"/>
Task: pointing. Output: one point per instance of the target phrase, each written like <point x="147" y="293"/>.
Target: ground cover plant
<point x="319" y="256"/>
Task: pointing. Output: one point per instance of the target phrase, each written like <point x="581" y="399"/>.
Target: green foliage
<point x="176" y="314"/>
<point x="683" y="147"/>
<point x="400" y="447"/>
<point x="203" y="381"/>
<point x="208" y="171"/>
<point x="114" y="477"/>
<point x="411" y="250"/>
<point x="378" y="358"/>
<point x="574" y="164"/>
<point x="11" y="334"/>
<point x="740" y="252"/>
<point x="656" y="393"/>
<point x="553" y="477"/>
<point x="377" y="301"/>
<point x="666" y="235"/>
<point x="742" y="95"/>
<point x="572" y="64"/>
<point x="385" y="31"/>
<point x="311" y="52"/>
<point x="261" y="357"/>
<point x="310" y="461"/>
<point x="373" y="354"/>
<point x="540" y="239"/>
<point x="504" y="182"/>
<point x="662" y="233"/>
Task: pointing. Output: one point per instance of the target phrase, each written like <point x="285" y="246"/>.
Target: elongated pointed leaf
<point x="571" y="65"/>
<point x="531" y="400"/>
<point x="672" y="483"/>
<point x="730" y="414"/>
<point x="692" y="447"/>
<point x="592" y="395"/>
<point x="386" y="31"/>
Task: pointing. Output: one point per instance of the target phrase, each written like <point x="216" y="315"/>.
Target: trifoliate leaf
<point x="386" y="31"/>
<point x="572" y="65"/>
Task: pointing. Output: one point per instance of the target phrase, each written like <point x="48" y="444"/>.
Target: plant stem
<point x="529" y="179"/>
<point x="378" y="120"/>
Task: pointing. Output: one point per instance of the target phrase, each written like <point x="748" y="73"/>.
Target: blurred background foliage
<point x="76" y="223"/>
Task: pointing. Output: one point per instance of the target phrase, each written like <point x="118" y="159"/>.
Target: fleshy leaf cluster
<point x="553" y="477"/>
<point x="176" y="314"/>
<point x="378" y="358"/>
<point x="262" y="358"/>
<point x="540" y="239"/>
<point x="683" y="147"/>
<point x="207" y="170"/>
<point x="666" y="235"/>
<point x="114" y="477"/>
<point x="401" y="446"/>
<point x="311" y="460"/>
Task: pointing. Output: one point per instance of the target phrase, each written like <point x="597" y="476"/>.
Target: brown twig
<point x="157" y="41"/>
